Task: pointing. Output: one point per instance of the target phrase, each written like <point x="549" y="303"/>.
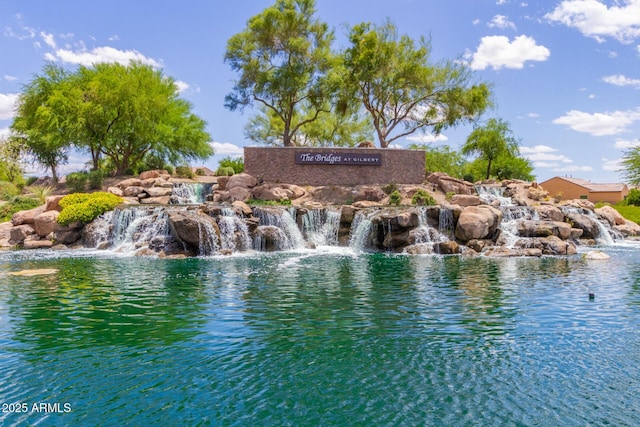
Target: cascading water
<point x="189" y="193"/>
<point x="361" y="229"/>
<point x="446" y="223"/>
<point x="604" y="237"/>
<point x="282" y="219"/>
<point x="511" y="216"/>
<point x="234" y="234"/>
<point x="320" y="226"/>
<point x="424" y="233"/>
<point x="491" y="193"/>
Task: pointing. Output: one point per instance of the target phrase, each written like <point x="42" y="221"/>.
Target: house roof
<point x="593" y="187"/>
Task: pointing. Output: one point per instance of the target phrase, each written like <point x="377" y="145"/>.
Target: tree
<point x="504" y="167"/>
<point x="631" y="165"/>
<point x="41" y="119"/>
<point x="10" y="159"/>
<point x="329" y="129"/>
<point x="402" y="91"/>
<point x="490" y="142"/>
<point x="282" y="58"/>
<point x="122" y="113"/>
<point x="442" y="159"/>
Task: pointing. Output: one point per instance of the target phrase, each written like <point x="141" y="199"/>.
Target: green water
<point x="320" y="339"/>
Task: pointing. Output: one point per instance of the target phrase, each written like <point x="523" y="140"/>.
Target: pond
<point x="324" y="337"/>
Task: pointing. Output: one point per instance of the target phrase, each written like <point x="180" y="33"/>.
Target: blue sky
<point x="565" y="74"/>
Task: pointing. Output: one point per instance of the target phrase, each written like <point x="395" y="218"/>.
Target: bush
<point x="225" y="171"/>
<point x="390" y="188"/>
<point x="31" y="180"/>
<point x="95" y="179"/>
<point x="633" y="198"/>
<point x="169" y="169"/>
<point x="8" y="190"/>
<point x="17" y="204"/>
<point x="77" y="182"/>
<point x="86" y="207"/>
<point x="421" y="197"/>
<point x="184" y="172"/>
<point x="395" y="198"/>
<point x="40" y="192"/>
<point x="236" y="164"/>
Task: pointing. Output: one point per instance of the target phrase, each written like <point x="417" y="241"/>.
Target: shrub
<point x="390" y="188"/>
<point x="41" y="192"/>
<point x="225" y="171"/>
<point x="395" y="198"/>
<point x="421" y="197"/>
<point x="77" y="181"/>
<point x="86" y="207"/>
<point x="200" y="172"/>
<point x="95" y="179"/>
<point x="184" y="172"/>
<point x="8" y="190"/>
<point x="236" y="164"/>
<point x="17" y="204"/>
<point x="31" y="180"/>
<point x="449" y="195"/>
<point x="633" y="198"/>
<point x="169" y="169"/>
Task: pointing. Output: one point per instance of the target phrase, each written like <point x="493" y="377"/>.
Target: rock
<point x="611" y="215"/>
<point x="131" y="182"/>
<point x="242" y="208"/>
<point x="419" y="249"/>
<point x="19" y="233"/>
<point x="241" y="180"/>
<point x="596" y="255"/>
<point x="449" y="184"/>
<point x="590" y="228"/>
<point x="193" y="229"/>
<point x="67" y="236"/>
<point x="553" y="245"/>
<point x="222" y="183"/>
<point x="53" y="203"/>
<point x="466" y="200"/>
<point x="629" y="228"/>
<point x="158" y="191"/>
<point x="478" y="222"/>
<point x="115" y="190"/>
<point x="164" y="200"/>
<point x="269" y="238"/>
<point x="550" y="213"/>
<point x="501" y="252"/>
<point x="26" y="217"/>
<point x="34" y="272"/>
<point x="531" y="228"/>
<point x="37" y="244"/>
<point x="447" y="248"/>
<point x="148" y="183"/>
<point x="133" y="191"/>
<point x="364" y="204"/>
<point x="369" y="193"/>
<point x="270" y="192"/>
<point x="46" y="223"/>
<point x="152" y="174"/>
<point x="163" y="184"/>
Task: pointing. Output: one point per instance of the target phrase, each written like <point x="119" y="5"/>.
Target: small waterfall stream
<point x="320" y="226"/>
<point x="361" y="229"/>
<point x="283" y="226"/>
<point x="234" y="233"/>
<point x="187" y="193"/>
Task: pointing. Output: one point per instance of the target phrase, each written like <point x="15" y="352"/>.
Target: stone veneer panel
<point x="278" y="164"/>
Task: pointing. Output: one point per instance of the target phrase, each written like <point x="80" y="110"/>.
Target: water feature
<point x="234" y="233"/>
<point x="604" y="236"/>
<point x="190" y="193"/>
<point x="285" y="226"/>
<point x="492" y="193"/>
<point x="320" y="226"/>
<point x="328" y="339"/>
<point x="361" y="229"/>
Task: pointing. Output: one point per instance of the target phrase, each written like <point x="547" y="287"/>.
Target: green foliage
<point x="421" y="197"/>
<point x="449" y="195"/>
<point x="237" y="164"/>
<point x="86" y="207"/>
<point x="282" y="58"/>
<point x="631" y="165"/>
<point x="185" y="172"/>
<point x="169" y="169"/>
<point x="40" y="192"/>
<point x="96" y="178"/>
<point x="31" y="180"/>
<point x="402" y="90"/>
<point x="395" y="198"/>
<point x="261" y="202"/>
<point x="225" y="171"/>
<point x="490" y="142"/>
<point x="633" y="198"/>
<point x="77" y="182"/>
<point x="390" y="188"/>
<point x="17" y="204"/>
<point x="11" y="160"/>
<point x="630" y="212"/>
<point x="442" y="159"/>
<point x="8" y="190"/>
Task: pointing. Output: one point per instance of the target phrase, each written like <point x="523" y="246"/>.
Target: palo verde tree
<point x="630" y="165"/>
<point x="282" y="58"/>
<point x="491" y="142"/>
<point x="42" y="118"/>
<point x="401" y="89"/>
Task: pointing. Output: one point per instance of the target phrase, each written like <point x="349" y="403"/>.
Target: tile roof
<point x="593" y="187"/>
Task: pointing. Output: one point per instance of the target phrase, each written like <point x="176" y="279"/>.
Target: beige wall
<point x="570" y="191"/>
<point x="277" y="164"/>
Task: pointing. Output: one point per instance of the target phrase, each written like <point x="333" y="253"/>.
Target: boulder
<point x="46" y="223"/>
<point x="270" y="192"/>
<point x="531" y="228"/>
<point x="550" y="213"/>
<point x="629" y="228"/>
<point x="222" y="182"/>
<point x="466" y="200"/>
<point x="151" y="182"/>
<point x="369" y="193"/>
<point x="447" y="248"/>
<point x="26" y="217"/>
<point x="20" y="232"/>
<point x="611" y="215"/>
<point x="242" y="208"/>
<point x="597" y="255"/>
<point x="478" y="222"/>
<point x="152" y="174"/>
<point x="131" y="182"/>
<point x="115" y="190"/>
<point x="53" y="203"/>
<point x="235" y="194"/>
<point x="162" y="200"/>
<point x="448" y="184"/>
<point x="589" y="226"/>
<point x="66" y="235"/>
<point x="195" y="230"/>
<point x="133" y="190"/>
<point x="158" y="191"/>
<point x="270" y="238"/>
<point x="241" y="180"/>
<point x="553" y="245"/>
<point x="37" y="244"/>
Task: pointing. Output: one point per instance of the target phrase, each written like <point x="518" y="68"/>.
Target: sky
<point x="564" y="74"/>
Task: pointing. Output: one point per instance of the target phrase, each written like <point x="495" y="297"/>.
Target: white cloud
<point x="501" y="21"/>
<point x="9" y="78"/>
<point x="611" y="165"/>
<point x="543" y="156"/>
<point x="48" y="39"/>
<point x="501" y="2"/>
<point x="4" y="132"/>
<point x="573" y="169"/>
<point x="621" y="80"/>
<point x="595" y="19"/>
<point x="99" y="54"/>
<point x="7" y="105"/>
<point x="475" y="22"/>
<point x="533" y="115"/>
<point x="598" y="124"/>
<point x="182" y="86"/>
<point x="499" y="52"/>
<point x="227" y="148"/>
<point x="624" y="144"/>
<point x="428" y="138"/>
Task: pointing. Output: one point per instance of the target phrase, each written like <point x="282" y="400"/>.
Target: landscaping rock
<point x="133" y="191"/>
<point x="162" y="200"/>
<point x="20" y="232"/>
<point x="241" y="180"/>
<point x="53" y="203"/>
<point x="131" y="182"/>
<point x="115" y="190"/>
<point x="37" y="244"/>
<point x="478" y="222"/>
<point x="26" y="217"/>
<point x="46" y="223"/>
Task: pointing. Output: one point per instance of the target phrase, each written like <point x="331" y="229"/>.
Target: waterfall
<point x="360" y="229"/>
<point x="234" y="234"/>
<point x="321" y="226"/>
<point x="189" y="193"/>
<point x="446" y="223"/>
<point x="603" y="237"/>
<point x="424" y="233"/>
<point x="208" y="238"/>
<point x="282" y="219"/>
<point x="134" y="227"/>
<point x="511" y="216"/>
<point x="491" y="193"/>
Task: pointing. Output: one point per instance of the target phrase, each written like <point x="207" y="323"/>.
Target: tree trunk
<point x="488" y="169"/>
<point x="54" y="172"/>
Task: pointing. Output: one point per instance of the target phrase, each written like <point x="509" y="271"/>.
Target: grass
<point x="630" y="212"/>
